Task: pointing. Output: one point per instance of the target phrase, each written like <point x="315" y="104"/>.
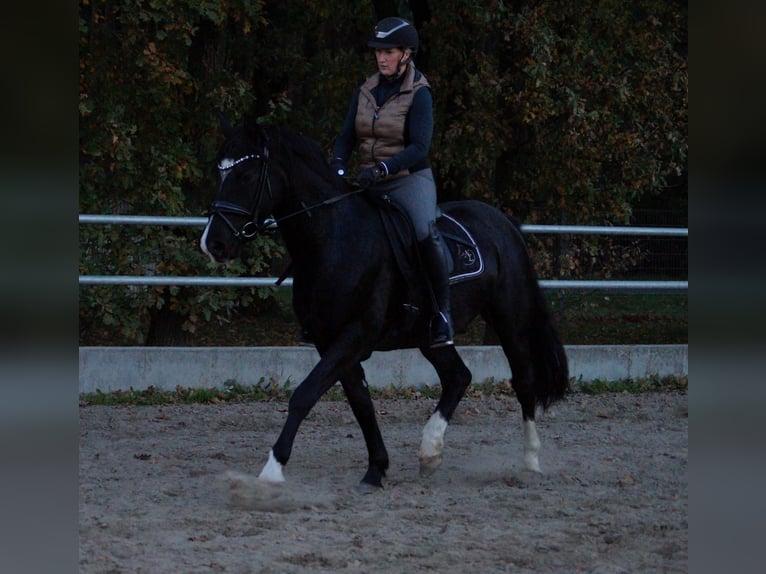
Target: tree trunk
<point x="165" y="329"/>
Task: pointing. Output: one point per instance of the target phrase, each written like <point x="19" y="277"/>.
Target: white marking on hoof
<point x="272" y="472"/>
<point x="531" y="446"/>
<point x="432" y="445"/>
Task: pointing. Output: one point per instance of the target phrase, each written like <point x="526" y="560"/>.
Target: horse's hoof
<point x="532" y="463"/>
<point x="429" y="465"/>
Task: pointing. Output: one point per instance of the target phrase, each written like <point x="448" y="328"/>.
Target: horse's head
<point x="244" y="199"/>
<point x="265" y="171"/>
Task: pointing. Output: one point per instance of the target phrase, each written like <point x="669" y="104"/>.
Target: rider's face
<point x="389" y="60"/>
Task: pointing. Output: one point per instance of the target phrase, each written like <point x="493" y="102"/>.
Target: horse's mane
<point x="306" y="149"/>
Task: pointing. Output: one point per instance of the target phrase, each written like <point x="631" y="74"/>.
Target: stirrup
<point x="440" y="332"/>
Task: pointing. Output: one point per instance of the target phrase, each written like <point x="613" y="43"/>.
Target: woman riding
<point x="390" y="119"/>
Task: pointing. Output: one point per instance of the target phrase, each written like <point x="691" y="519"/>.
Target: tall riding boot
<point x="435" y="262"/>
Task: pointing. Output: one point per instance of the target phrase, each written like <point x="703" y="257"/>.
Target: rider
<point x="390" y="117"/>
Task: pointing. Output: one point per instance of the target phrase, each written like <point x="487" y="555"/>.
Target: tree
<point x="561" y="112"/>
<point x="152" y="76"/>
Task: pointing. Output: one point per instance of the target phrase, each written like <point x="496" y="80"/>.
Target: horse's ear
<point x="226" y="126"/>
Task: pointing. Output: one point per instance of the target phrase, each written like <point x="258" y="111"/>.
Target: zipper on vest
<point x="375" y="117"/>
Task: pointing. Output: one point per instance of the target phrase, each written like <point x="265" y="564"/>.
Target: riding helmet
<point x="394" y="33"/>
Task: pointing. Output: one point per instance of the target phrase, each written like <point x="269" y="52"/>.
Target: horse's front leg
<point x="303" y="399"/>
<point x="341" y="356"/>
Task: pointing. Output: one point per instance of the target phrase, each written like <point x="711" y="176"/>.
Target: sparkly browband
<point x="230" y="163"/>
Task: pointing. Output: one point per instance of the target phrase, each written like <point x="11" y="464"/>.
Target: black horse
<point x="351" y="294"/>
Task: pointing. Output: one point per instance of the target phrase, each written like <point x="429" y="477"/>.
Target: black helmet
<point x="394" y="33"/>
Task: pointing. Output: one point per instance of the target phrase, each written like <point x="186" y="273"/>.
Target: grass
<point x="598" y="318"/>
<point x="233" y="392"/>
<point x="582" y="318"/>
<point x="635" y="386"/>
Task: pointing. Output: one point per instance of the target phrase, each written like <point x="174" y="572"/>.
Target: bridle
<point x="252" y="228"/>
<point x="221" y="209"/>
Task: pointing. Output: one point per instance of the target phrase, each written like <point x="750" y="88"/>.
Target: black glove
<point x="337" y="166"/>
<point x="369" y="176"/>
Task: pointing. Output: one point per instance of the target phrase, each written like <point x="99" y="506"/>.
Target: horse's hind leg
<point x="521" y="383"/>
<point x="358" y="395"/>
<point x="455" y="378"/>
<point x="517" y="351"/>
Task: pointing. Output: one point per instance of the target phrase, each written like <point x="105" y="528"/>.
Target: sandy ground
<point x="172" y="489"/>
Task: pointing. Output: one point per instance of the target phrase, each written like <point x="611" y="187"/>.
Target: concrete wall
<point x="109" y="369"/>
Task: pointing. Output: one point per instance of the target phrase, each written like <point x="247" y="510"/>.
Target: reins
<point x="310" y="208"/>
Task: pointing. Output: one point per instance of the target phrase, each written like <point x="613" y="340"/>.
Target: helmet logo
<point x="382" y="34"/>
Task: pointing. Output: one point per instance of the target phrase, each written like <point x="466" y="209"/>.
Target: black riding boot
<point x="435" y="263"/>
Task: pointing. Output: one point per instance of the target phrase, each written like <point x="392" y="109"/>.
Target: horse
<point x="351" y="295"/>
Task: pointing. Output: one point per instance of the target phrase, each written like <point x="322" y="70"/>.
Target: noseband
<point x="221" y="209"/>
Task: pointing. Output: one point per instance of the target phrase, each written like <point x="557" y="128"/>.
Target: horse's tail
<point x="549" y="359"/>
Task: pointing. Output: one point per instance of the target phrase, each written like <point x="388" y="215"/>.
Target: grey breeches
<point x="415" y="194"/>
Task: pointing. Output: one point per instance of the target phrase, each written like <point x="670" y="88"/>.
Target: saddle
<point x="464" y="257"/>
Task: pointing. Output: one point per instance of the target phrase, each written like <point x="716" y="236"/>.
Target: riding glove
<point x="371" y="175"/>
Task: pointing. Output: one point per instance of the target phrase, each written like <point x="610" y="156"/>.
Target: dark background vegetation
<point x="558" y="112"/>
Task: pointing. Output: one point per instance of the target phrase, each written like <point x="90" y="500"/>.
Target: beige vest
<point x="380" y="131"/>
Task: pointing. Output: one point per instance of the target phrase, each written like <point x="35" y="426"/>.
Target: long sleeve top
<point x="418" y="128"/>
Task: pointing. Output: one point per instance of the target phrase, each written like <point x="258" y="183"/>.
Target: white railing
<point x="271" y="281"/>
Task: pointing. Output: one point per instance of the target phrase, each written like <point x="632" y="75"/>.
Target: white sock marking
<point x="432" y="444"/>
<point x="272" y="472"/>
<point x="531" y="446"/>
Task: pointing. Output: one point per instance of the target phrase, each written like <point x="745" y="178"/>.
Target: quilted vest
<point x="380" y="130"/>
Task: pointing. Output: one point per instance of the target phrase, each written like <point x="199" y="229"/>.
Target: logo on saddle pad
<point x="465" y="256"/>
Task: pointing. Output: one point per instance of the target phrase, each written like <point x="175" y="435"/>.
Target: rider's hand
<point x="371" y="175"/>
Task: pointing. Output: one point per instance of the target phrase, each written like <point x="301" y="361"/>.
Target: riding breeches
<point x="415" y="194"/>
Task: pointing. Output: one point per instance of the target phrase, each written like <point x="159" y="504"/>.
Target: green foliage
<point x="556" y="111"/>
<point x="654" y="384"/>
<point x="231" y="392"/>
<point x="561" y="112"/>
<point x="152" y="76"/>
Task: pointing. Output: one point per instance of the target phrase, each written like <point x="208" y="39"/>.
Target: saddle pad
<point x="464" y="256"/>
